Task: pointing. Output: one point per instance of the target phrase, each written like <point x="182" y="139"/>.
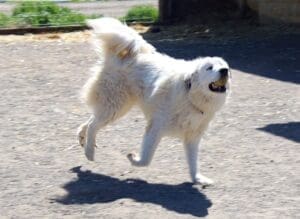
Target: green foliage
<point x="43" y="13"/>
<point x="142" y="13"/>
<point x="4" y="20"/>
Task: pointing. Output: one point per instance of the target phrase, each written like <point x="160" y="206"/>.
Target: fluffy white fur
<point x="174" y="95"/>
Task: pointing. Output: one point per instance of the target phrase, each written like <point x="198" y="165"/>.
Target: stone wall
<point x="269" y="11"/>
<point x="178" y="10"/>
<point x="283" y="11"/>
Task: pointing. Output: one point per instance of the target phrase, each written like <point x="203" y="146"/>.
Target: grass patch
<point x="42" y="13"/>
<point x="146" y="13"/>
<point x="4" y="20"/>
<point x="45" y="14"/>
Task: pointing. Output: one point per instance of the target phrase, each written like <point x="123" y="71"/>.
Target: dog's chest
<point x="190" y="122"/>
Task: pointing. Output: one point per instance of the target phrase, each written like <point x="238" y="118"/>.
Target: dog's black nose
<point x="224" y="72"/>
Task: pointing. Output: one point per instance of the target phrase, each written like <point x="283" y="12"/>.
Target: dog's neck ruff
<point x="196" y="108"/>
<point x="187" y="84"/>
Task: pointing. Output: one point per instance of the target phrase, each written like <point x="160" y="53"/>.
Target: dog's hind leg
<point x="96" y="122"/>
<point x="151" y="139"/>
<point x="191" y="149"/>
<point x="81" y="132"/>
<point x="104" y="113"/>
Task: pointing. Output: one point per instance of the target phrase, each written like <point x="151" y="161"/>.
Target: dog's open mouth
<point x="218" y="86"/>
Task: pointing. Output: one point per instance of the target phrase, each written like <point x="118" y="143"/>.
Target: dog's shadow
<point x="90" y="188"/>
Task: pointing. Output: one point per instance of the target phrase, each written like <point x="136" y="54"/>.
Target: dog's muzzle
<point x="219" y="86"/>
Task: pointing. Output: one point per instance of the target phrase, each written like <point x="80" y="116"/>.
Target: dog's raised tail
<point x="118" y="39"/>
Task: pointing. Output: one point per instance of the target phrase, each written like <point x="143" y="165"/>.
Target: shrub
<point x="43" y="13"/>
<point x="4" y="20"/>
<point x="142" y="13"/>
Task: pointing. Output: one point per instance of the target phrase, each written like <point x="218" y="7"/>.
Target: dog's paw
<point x="132" y="157"/>
<point x="90" y="153"/>
<point x="81" y="140"/>
<point x="203" y="180"/>
<point x="81" y="136"/>
<point x="135" y="160"/>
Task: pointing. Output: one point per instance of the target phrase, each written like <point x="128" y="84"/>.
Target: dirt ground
<point x="251" y="149"/>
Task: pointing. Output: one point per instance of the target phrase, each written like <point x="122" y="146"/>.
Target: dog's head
<point x="210" y="79"/>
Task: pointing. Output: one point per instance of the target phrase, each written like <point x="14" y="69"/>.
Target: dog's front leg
<point x="191" y="149"/>
<point x="151" y="139"/>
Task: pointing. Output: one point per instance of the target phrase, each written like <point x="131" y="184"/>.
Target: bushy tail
<point x="118" y="39"/>
<point x="112" y="40"/>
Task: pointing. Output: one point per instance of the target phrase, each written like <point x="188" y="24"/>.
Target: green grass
<point x="42" y="13"/>
<point x="45" y="14"/>
<point x="141" y="13"/>
<point x="4" y="20"/>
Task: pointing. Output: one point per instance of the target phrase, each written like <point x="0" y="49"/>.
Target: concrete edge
<point x="36" y="30"/>
<point x="51" y="29"/>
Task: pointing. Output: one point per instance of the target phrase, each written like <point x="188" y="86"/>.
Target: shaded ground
<point x="251" y="149"/>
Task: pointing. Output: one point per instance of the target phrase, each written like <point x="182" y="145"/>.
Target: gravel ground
<point x="251" y="149"/>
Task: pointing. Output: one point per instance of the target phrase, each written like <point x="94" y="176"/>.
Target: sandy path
<point x="251" y="150"/>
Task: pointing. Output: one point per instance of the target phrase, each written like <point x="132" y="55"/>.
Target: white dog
<point x="178" y="97"/>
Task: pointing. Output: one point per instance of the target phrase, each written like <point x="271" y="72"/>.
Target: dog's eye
<point x="209" y="68"/>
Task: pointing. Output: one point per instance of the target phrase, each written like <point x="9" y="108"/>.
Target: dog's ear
<point x="188" y="83"/>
